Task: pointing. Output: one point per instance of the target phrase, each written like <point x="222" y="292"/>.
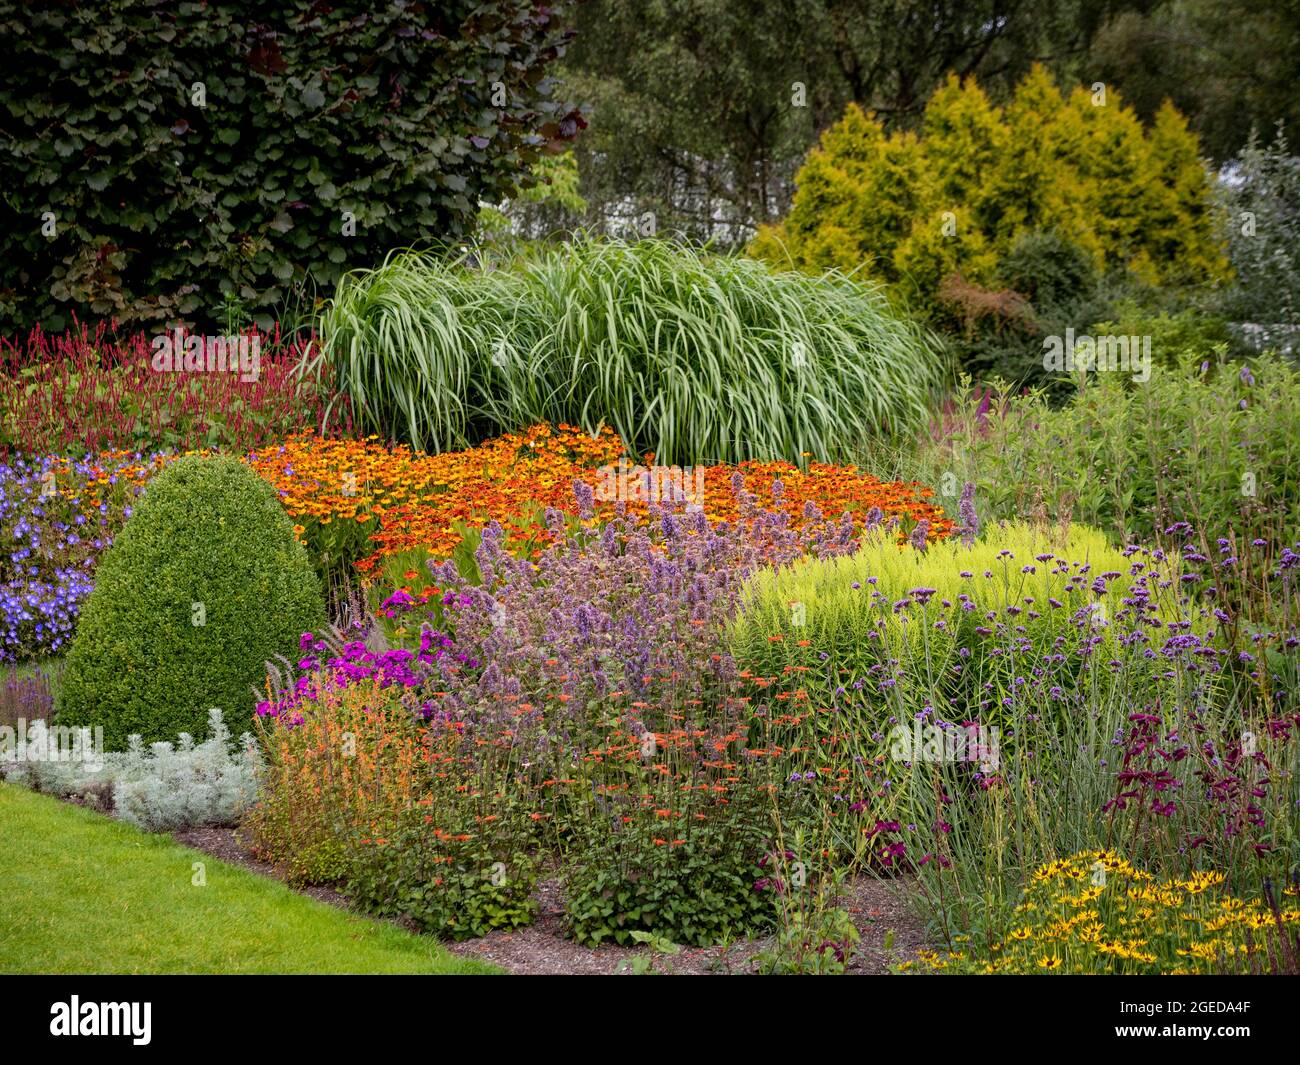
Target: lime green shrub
<point x="204" y="584"/>
<point x="937" y="621"/>
<point x="912" y="210"/>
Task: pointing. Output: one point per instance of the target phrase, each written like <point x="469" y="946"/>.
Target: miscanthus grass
<point x="696" y="357"/>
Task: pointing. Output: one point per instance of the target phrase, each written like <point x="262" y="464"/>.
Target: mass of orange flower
<point x="401" y="499"/>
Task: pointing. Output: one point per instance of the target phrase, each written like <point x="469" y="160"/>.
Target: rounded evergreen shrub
<point x="204" y="584"/>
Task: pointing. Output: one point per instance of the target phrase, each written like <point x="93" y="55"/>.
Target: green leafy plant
<point x="630" y="873"/>
<point x="1173" y="333"/>
<point x="695" y="357"/>
<point x="1206" y="440"/>
<point x="204" y="584"/>
<point x="452" y="887"/>
<point x="157" y="160"/>
<point x="644" y="964"/>
<point x="540" y="211"/>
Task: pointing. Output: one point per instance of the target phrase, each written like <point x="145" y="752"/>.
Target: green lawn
<point x="80" y="893"/>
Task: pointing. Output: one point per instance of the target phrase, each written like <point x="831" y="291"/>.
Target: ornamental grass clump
<point x="696" y="357"/>
<point x="203" y="585"/>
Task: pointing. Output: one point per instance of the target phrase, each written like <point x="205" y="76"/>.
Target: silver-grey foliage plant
<point x="162" y="788"/>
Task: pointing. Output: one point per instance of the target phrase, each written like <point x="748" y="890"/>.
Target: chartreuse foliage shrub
<point x="157" y="158"/>
<point x="696" y="357"/>
<point x="205" y="582"/>
<point x="914" y="208"/>
<point x="912" y="625"/>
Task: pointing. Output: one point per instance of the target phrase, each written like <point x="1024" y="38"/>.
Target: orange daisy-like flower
<point x="408" y="500"/>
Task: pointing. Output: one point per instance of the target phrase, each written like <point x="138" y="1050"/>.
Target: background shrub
<point x="205" y="583"/>
<point x="181" y="153"/>
<point x="697" y="358"/>
<point x="1051" y="272"/>
<point x="1063" y="290"/>
<point x="913" y="209"/>
<point x="1263" y="206"/>
<point x="1206" y="440"/>
<point x="1173" y="333"/>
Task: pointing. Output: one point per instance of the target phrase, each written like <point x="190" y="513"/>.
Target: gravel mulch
<point x="878" y="910"/>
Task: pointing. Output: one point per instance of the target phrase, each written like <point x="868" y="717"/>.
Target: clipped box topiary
<point x="204" y="584"/>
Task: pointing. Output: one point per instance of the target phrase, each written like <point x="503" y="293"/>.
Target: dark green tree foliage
<point x="1228" y="65"/>
<point x="156" y="156"/>
<point x="204" y="584"/>
<point x="696" y="112"/>
<point x="1050" y="272"/>
<point x="1064" y="289"/>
